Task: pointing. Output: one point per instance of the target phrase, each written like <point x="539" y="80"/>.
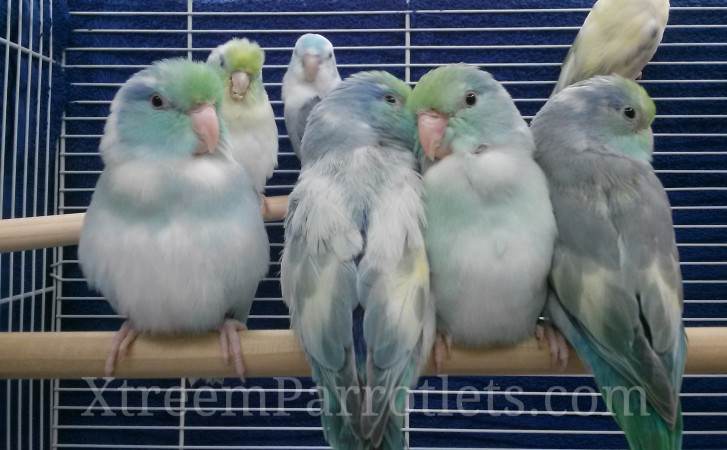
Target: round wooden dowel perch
<point x="31" y="233"/>
<point x="275" y="353"/>
<point x="39" y="232"/>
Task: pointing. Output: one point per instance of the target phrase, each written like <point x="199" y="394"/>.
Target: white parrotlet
<point x="173" y="237"/>
<point x="353" y="242"/>
<point x="618" y="37"/>
<point x="616" y="281"/>
<point x="490" y="226"/>
<point x="311" y="75"/>
<point x="246" y="110"/>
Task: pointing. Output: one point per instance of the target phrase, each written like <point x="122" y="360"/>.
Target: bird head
<point x="610" y="110"/>
<point x="165" y="112"/>
<point x="461" y="109"/>
<point x="368" y="108"/>
<point x="240" y="63"/>
<point x="313" y="60"/>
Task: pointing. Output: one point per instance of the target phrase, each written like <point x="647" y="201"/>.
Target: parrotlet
<point x="173" y="237"/>
<point x="311" y="75"/>
<point x="354" y="246"/>
<point x="246" y="110"/>
<point x="618" y="37"/>
<point x="490" y="226"/>
<point x="617" y="290"/>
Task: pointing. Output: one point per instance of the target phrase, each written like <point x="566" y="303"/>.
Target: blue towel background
<point x="702" y="282"/>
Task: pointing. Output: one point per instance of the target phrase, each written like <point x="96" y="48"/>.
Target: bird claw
<point x="120" y="344"/>
<point x="230" y="344"/>
<point x="442" y="350"/>
<point x="559" y="348"/>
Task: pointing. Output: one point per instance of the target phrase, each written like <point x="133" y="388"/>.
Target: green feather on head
<point x="461" y="108"/>
<point x="647" y="103"/>
<point x="244" y="55"/>
<point x="442" y="87"/>
<point x="187" y="83"/>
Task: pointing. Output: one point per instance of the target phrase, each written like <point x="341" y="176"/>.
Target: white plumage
<point x="489" y="267"/>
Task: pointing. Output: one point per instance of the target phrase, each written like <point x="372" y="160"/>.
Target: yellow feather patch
<point x="245" y="55"/>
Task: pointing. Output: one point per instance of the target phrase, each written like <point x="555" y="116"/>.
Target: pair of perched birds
<point x="564" y="217"/>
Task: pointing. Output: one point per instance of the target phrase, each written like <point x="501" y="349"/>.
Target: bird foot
<point x="442" y="350"/>
<point x="230" y="343"/>
<point x="120" y="346"/>
<point x="559" y="348"/>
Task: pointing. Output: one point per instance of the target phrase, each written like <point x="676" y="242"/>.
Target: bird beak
<point x="311" y="64"/>
<point x="207" y="127"/>
<point x="239" y="83"/>
<point x="432" y="126"/>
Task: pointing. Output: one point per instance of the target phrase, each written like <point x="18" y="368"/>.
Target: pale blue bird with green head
<point x="616" y="282"/>
<point x="174" y="237"/>
<point x="490" y="226"/>
<point x="354" y="270"/>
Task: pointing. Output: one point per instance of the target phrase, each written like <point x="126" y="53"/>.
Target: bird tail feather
<point x="341" y="408"/>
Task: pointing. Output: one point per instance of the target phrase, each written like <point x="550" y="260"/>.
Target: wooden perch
<point x="275" y="353"/>
<point x="54" y="231"/>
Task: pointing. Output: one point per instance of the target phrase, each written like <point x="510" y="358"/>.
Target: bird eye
<point x="157" y="101"/>
<point x="629" y="112"/>
<point x="470" y="99"/>
<point x="390" y="99"/>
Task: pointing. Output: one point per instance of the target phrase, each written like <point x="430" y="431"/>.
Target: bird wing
<point x="616" y="273"/>
<point x="318" y="279"/>
<point x="399" y="314"/>
<point x="296" y="120"/>
<point x="618" y="36"/>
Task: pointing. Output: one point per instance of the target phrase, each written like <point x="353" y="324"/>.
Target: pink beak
<point x="240" y="81"/>
<point x="207" y="127"/>
<point x="311" y="64"/>
<point x="432" y="126"/>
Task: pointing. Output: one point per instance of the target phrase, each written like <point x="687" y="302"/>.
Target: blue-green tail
<point x="645" y="429"/>
<point x="340" y="416"/>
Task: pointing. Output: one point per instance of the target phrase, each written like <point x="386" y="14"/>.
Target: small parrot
<point x="173" y="237"/>
<point x="311" y="75"/>
<point x="354" y="268"/>
<point x="246" y="110"/>
<point x="490" y="226"/>
<point x="616" y="283"/>
<point x="618" y="37"/>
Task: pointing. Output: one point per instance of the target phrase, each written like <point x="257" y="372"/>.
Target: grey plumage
<point x="616" y="278"/>
<point x="353" y="238"/>
<point x="296" y="120"/>
<point x="311" y="75"/>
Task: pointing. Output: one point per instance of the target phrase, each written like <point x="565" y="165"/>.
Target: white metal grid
<point x="70" y="429"/>
<point x="26" y="162"/>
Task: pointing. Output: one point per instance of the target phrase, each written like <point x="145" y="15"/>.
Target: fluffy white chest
<point x="253" y="137"/>
<point x="175" y="268"/>
<point x="181" y="277"/>
<point x="489" y="239"/>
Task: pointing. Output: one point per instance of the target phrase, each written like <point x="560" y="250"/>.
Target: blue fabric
<point x="281" y="184"/>
<point x="24" y="165"/>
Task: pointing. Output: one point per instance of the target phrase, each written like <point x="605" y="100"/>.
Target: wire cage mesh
<point x="62" y="62"/>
